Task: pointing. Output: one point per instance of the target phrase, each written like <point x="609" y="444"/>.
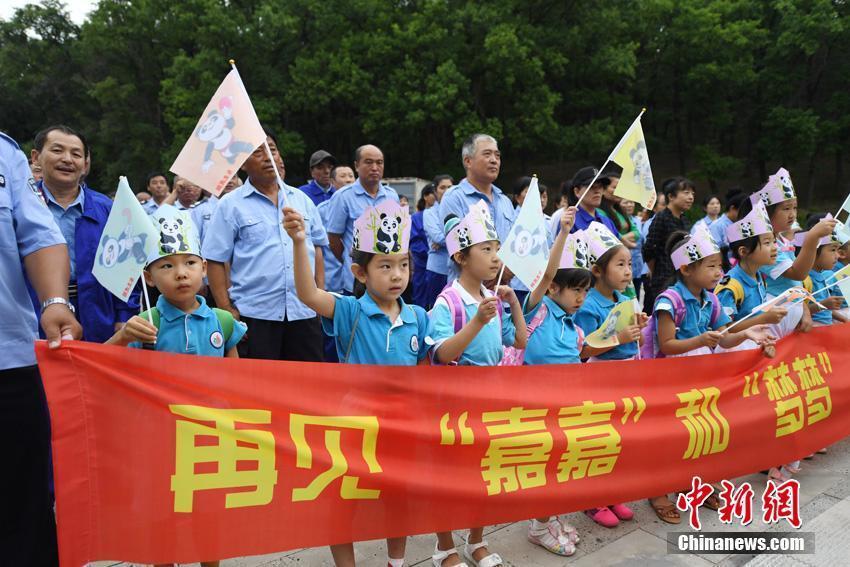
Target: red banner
<point x="162" y="457"/>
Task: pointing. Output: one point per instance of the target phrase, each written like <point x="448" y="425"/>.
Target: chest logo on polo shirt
<point x="2" y="180"/>
<point x="216" y="340"/>
<point x="414" y="343"/>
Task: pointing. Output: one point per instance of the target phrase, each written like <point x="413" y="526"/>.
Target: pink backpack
<point x="649" y="348"/>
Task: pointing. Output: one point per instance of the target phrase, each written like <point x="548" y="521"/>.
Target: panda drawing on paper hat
<point x="388" y="238"/>
<point x="177" y="234"/>
<point x="693" y="252"/>
<point x="172" y="235"/>
<point x="217" y="132"/>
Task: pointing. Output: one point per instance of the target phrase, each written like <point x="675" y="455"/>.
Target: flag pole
<point x="265" y="141"/>
<point x="607" y="161"/>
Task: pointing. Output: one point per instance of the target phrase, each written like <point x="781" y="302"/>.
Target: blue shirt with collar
<point x="317" y="193"/>
<point x="438" y="259"/>
<point x="583" y="220"/>
<point x="377" y="340"/>
<point x="487" y="348"/>
<point x="333" y="267"/>
<point x="346" y="206"/>
<point x="66" y="219"/>
<point x="819" y="277"/>
<point x="26" y="226"/>
<point x="246" y="230"/>
<point x="697" y="313"/>
<point x="150" y="206"/>
<point x="198" y="332"/>
<point x="776" y="282"/>
<point x="202" y="215"/>
<point x="591" y="316"/>
<point x="458" y="199"/>
<point x="557" y="340"/>
<point x="755" y="293"/>
<point x="98" y="310"/>
<point x="718" y="230"/>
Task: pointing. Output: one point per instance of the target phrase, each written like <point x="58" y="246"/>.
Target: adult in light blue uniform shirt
<point x="487" y="348"/>
<point x="81" y="214"/>
<point x="437" y="267"/>
<point x="348" y="204"/>
<point x="29" y="239"/>
<point x="593" y="313"/>
<point x="156" y="184"/>
<point x="246" y="231"/>
<point x="377" y="340"/>
<point x="482" y="161"/>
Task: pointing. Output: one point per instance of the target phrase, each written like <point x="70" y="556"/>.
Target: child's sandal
<point x="552" y="538"/>
<point x="567" y="529"/>
<point x="441" y="555"/>
<point x="492" y="560"/>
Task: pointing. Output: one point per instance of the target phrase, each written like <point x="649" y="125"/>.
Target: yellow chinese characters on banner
<point x="232" y="446"/>
<point x="708" y="430"/>
<point x="801" y="402"/>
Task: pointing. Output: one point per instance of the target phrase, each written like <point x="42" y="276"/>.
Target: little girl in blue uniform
<point x="821" y="275"/>
<point x="689" y="319"/>
<point x="612" y="274"/>
<point x="753" y="245"/>
<point x="470" y="328"/>
<point x="376" y="326"/>
<point x="790" y="269"/>
<point x="555" y="339"/>
<point x="181" y="322"/>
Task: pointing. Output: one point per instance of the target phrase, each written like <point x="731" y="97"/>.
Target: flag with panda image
<point x="526" y="249"/>
<point x="128" y="238"/>
<point x="224" y="137"/>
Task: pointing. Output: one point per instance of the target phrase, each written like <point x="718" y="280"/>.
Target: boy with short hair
<point x="181" y="321"/>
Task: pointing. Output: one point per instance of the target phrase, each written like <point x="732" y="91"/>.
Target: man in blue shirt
<point x="437" y="268"/>
<point x="81" y="214"/>
<point x="31" y="241"/>
<point x="320" y="188"/>
<point x="482" y="161"/>
<point x="246" y="232"/>
<point x="156" y="184"/>
<point x="348" y="204"/>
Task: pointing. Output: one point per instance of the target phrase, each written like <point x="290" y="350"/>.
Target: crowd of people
<point x="339" y="270"/>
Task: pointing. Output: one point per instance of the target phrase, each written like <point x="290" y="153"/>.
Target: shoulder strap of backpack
<point x="226" y="320"/>
<point x="456" y="307"/>
<point x="353" y="334"/>
<point x="538" y="318"/>
<point x="716" y="308"/>
<point x="808" y="285"/>
<point x="678" y="304"/>
<point x="151" y="315"/>
<point x="734" y="287"/>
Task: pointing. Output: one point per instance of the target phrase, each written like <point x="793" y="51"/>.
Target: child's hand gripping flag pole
<point x="630" y="154"/>
<point x="128" y="238"/>
<point x="526" y="249"/>
<point x="224" y="137"/>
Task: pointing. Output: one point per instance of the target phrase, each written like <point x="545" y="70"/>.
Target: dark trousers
<point x="283" y="340"/>
<point x="27" y="525"/>
<point x="434" y="284"/>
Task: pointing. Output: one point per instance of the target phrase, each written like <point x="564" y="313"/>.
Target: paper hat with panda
<point x="575" y="254"/>
<point x="778" y="188"/>
<point x="757" y="222"/>
<point x="835" y="238"/>
<point x="476" y="227"/>
<point x="694" y="248"/>
<point x="383" y="229"/>
<point x="177" y="233"/>
<point x="599" y="240"/>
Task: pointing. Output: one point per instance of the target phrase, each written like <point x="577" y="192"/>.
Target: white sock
<point x="538" y="526"/>
<point x="395" y="562"/>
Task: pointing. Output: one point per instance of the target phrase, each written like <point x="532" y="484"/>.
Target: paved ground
<point x="825" y="510"/>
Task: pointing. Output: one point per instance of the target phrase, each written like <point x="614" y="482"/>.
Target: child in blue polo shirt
<point x="821" y="275"/>
<point x="181" y="322"/>
<point x="470" y="328"/>
<point x="554" y="338"/>
<point x="753" y="245"/>
<point x="790" y="268"/>
<point x="375" y="326"/>
<point x="612" y="273"/>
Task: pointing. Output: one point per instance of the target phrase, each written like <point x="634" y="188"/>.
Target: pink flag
<point x="225" y="136"/>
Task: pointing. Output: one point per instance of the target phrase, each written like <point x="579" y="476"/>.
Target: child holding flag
<point x="375" y="326"/>
<point x="181" y="322"/>
<point x="821" y="275"/>
<point x="753" y="245"/>
<point x="470" y="328"/>
<point x="554" y="338"/>
<point x="789" y="269"/>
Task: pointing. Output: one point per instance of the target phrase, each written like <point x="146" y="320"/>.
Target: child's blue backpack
<point x="649" y="348"/>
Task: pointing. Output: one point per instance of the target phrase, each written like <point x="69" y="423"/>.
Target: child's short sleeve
<point x="345" y="310"/>
<point x="727" y="303"/>
<point x="442" y="325"/>
<point x="239" y="330"/>
<point x="662" y="304"/>
<point x="508" y="329"/>
<point x="425" y="331"/>
<point x="588" y="319"/>
<point x="784" y="261"/>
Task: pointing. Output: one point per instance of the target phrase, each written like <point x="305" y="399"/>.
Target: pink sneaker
<point x="622" y="511"/>
<point x="603" y="517"/>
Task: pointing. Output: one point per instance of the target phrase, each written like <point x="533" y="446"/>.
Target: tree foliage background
<point x="734" y="88"/>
